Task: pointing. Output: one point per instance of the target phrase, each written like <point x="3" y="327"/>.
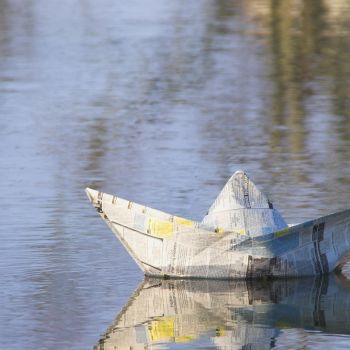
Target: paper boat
<point x="231" y="314"/>
<point x="242" y="236"/>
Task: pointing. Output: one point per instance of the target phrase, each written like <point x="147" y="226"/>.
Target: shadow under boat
<point x="229" y="313"/>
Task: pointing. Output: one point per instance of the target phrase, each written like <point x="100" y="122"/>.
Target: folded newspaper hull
<point x="242" y="236"/>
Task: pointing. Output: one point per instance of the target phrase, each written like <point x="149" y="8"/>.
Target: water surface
<point x="158" y="102"/>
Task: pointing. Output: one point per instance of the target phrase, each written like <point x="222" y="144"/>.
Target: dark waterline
<point x="158" y="102"/>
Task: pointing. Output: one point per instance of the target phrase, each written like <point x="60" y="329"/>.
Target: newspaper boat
<point x="242" y="236"/>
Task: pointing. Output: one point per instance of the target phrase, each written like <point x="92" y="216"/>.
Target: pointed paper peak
<point x="239" y="193"/>
<point x="243" y="208"/>
<point x="92" y="194"/>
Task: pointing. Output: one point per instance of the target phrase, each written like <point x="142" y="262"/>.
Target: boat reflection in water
<point x="232" y="314"/>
